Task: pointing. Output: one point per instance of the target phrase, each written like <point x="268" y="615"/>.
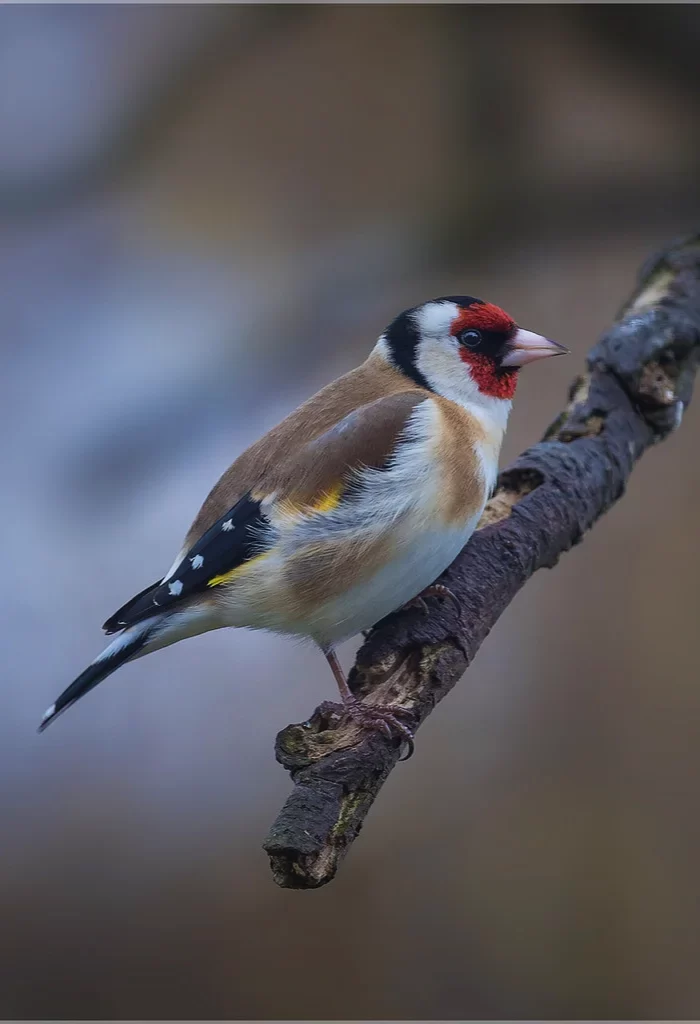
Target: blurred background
<point x="205" y="214"/>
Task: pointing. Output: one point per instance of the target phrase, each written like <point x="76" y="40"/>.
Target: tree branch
<point x="638" y="382"/>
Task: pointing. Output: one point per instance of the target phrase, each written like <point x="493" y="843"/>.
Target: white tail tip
<point x="48" y="715"/>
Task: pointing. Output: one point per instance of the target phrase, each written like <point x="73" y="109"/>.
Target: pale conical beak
<point x="526" y="347"/>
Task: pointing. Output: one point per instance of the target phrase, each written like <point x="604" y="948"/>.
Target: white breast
<point x="418" y="565"/>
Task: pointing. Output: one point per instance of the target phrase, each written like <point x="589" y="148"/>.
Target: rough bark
<point x="638" y="382"/>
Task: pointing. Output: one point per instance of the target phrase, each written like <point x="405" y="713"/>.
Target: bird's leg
<point x="337" y="669"/>
<point x="369" y="716"/>
<point x="434" y="590"/>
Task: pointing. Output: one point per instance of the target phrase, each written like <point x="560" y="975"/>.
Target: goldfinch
<point x="351" y="506"/>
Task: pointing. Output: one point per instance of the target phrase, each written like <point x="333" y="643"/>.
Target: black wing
<point x="231" y="541"/>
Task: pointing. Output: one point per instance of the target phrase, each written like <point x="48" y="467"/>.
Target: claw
<point x="410" y="744"/>
<point x="373" y="716"/>
<point x="434" y="590"/>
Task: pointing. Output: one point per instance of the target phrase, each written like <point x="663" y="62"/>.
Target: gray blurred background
<point x="205" y="214"/>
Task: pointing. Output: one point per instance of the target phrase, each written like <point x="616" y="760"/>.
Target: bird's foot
<point x="376" y="717"/>
<point x="434" y="590"/>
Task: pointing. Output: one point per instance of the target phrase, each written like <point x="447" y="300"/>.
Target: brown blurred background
<point x="206" y="213"/>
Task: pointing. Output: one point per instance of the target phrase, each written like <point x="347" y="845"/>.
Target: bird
<point x="351" y="507"/>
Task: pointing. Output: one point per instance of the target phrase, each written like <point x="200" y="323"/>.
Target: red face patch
<point x="482" y="316"/>
<point x="488" y="378"/>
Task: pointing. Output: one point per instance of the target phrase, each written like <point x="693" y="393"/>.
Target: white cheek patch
<point x="448" y="375"/>
<point x="439" y="362"/>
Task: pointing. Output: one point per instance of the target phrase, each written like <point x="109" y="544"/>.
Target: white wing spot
<point x="228" y="525"/>
<point x="175" y="588"/>
<point x="197" y="562"/>
<point x="48" y="713"/>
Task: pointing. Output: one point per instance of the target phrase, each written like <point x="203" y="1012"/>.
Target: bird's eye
<point x="470" y="338"/>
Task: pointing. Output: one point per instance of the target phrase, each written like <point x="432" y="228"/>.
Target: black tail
<point x="122" y="649"/>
